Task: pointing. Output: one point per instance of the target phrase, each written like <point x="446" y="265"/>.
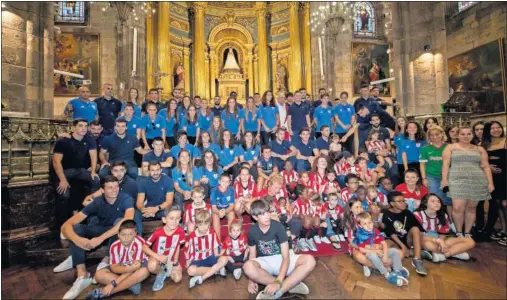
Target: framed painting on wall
<point x="77" y="53"/>
<point x="370" y="62"/>
<point x="481" y="70"/>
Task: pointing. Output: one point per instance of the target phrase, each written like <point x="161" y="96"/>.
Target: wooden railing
<point x="27" y="145"/>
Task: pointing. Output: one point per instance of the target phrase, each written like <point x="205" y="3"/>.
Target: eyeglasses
<point x="153" y="126"/>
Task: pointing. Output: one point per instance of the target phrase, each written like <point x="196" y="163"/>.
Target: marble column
<point x="164" y="48"/>
<point x="213" y="63"/>
<point x="295" y="48"/>
<point x="250" y="71"/>
<point x="307" y="54"/>
<point x="199" y="49"/>
<point x="150" y="51"/>
<point x="261" y="12"/>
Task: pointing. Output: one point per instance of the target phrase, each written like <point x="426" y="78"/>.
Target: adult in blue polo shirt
<point x="154" y="98"/>
<point x="157" y="154"/>
<point x="323" y="115"/>
<point x="108" y="108"/>
<point x="252" y="118"/>
<point x="205" y="116"/>
<point x="153" y="125"/>
<point x="210" y="172"/>
<point x="82" y="107"/>
<point x="183" y="177"/>
<point x="270" y="117"/>
<point x="120" y="146"/>
<point x="282" y="150"/>
<point x="228" y="154"/>
<point x="345" y="116"/>
<point x="232" y="117"/>
<point x="183" y="144"/>
<point x="133" y="122"/>
<point x="154" y="194"/>
<point x="170" y="115"/>
<point x="127" y="184"/>
<point x="410" y="146"/>
<point x="133" y="99"/>
<point x="222" y="197"/>
<point x="307" y="151"/>
<point x="298" y="117"/>
<point x="322" y="142"/>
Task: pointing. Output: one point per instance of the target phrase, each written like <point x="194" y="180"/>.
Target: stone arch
<point x="230" y="27"/>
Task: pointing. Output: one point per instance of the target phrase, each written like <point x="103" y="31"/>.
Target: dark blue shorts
<point x="207" y="263"/>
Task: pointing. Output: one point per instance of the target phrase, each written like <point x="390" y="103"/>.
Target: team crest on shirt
<point x="231" y="151"/>
<point x="253" y="152"/>
<point x="228" y="198"/>
<point x="82" y="106"/>
<point x="135" y="125"/>
<point x="157" y="125"/>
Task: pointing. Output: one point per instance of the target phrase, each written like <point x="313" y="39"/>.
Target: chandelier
<point x="329" y="17"/>
<point x="126" y="10"/>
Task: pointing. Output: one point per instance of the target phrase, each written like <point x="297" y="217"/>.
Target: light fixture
<point x="331" y="16"/>
<point x="427" y="48"/>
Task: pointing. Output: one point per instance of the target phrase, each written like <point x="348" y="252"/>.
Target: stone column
<point x="199" y="49"/>
<point x="150" y="51"/>
<point x="164" y="48"/>
<point x="256" y="72"/>
<point x="212" y="66"/>
<point x="421" y="77"/>
<point x="260" y="9"/>
<point x="186" y="64"/>
<point x="250" y="71"/>
<point x="295" y="48"/>
<point x="307" y="54"/>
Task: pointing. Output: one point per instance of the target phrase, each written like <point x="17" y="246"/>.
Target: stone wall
<point x="27" y="57"/>
<point x="476" y="26"/>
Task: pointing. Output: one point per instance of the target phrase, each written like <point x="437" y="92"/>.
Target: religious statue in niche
<point x="179" y="76"/>
<point x="281" y="79"/>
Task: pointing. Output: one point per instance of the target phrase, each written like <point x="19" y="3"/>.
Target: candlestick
<point x="320" y="58"/>
<point x="134" y="52"/>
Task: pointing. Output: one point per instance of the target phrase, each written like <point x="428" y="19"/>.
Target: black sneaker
<point x="503" y="241"/>
<point x="496" y="236"/>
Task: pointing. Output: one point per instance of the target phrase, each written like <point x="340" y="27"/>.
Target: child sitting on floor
<point x="203" y="259"/>
<point x="371" y="243"/>
<point x="127" y="264"/>
<point x="334" y="216"/>
<point x="437" y="246"/>
<point x="235" y="247"/>
<point x="193" y="208"/>
<point x="166" y="242"/>
<point x="374" y="196"/>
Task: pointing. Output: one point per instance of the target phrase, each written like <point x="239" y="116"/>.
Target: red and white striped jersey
<point x="318" y="210"/>
<point x="126" y="255"/>
<point x="289" y="177"/>
<point x="200" y="247"/>
<point x="335" y="213"/>
<point x="431" y="224"/>
<point x="301" y="208"/>
<point x="328" y="185"/>
<point x="164" y="244"/>
<point x="282" y="193"/>
<point x="381" y="199"/>
<point x="190" y="212"/>
<point x="374" y="146"/>
<point x="317" y="181"/>
<point x="346" y="194"/>
<point x="342" y="167"/>
<point x="240" y="191"/>
<point x="235" y="247"/>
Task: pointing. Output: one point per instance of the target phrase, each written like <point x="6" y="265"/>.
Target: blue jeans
<point x="434" y="187"/>
<point x="138" y="217"/>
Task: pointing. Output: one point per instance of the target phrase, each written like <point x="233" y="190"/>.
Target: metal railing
<point x="27" y="145"/>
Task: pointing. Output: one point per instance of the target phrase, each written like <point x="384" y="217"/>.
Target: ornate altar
<point x="457" y="110"/>
<point x="231" y="79"/>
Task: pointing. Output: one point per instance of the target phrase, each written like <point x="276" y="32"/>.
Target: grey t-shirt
<point x="268" y="243"/>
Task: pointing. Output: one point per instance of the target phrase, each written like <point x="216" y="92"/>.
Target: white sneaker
<point x="303" y="245"/>
<point x="438" y="257"/>
<point x="325" y="240"/>
<point x="300" y="288"/>
<point x="366" y="271"/>
<point x="64" y="265"/>
<point x="316" y="239"/>
<point x="237" y="273"/>
<point x="194" y="281"/>
<point x="222" y="272"/>
<point x="311" y="245"/>
<point x="462" y="256"/>
<point x="79" y="286"/>
<point x="342" y="238"/>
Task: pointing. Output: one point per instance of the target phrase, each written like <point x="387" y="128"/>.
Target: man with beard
<point x="217" y="109"/>
<point x="96" y="131"/>
<point x="82" y="107"/>
<point x="108" y="108"/>
<point x="154" y="97"/>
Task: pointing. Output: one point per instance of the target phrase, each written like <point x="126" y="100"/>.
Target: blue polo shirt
<point x="83" y="109"/>
<point x="212" y="176"/>
<point x="170" y="125"/>
<point x="251" y="122"/>
<point x="194" y="151"/>
<point x="132" y="125"/>
<point x="323" y="116"/>
<point x="155" y="192"/>
<point x="204" y="121"/>
<point x="322" y="144"/>
<point x="344" y="112"/>
<point x="109" y="213"/>
<point x="151" y="156"/>
<point x="298" y="113"/>
<point x="212" y="146"/>
<point x="232" y="122"/>
<point x="411" y="148"/>
<point x="182" y="179"/>
<point x="306" y="149"/>
<point x="222" y="200"/>
<point x="153" y="128"/>
<point x="268" y="115"/>
<point x="250" y="153"/>
<point x="227" y="155"/>
<point x="121" y="148"/>
<point x="108" y="112"/>
<point x="129" y="186"/>
<point x="181" y="111"/>
<point x="397" y="142"/>
<point x="191" y="127"/>
<point x="76" y="154"/>
<point x="280" y="149"/>
<point x="267" y="166"/>
<point x="137" y="108"/>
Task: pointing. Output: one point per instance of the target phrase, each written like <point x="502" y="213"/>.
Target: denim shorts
<point x="434" y="187"/>
<point x="207" y="263"/>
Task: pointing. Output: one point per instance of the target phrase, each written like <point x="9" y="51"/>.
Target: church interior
<point x="441" y="60"/>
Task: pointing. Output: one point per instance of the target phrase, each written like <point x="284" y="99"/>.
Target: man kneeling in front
<point x="271" y="262"/>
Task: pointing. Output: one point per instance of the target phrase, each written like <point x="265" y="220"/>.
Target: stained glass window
<point x="364" y="19"/>
<point x="462" y="5"/>
<point x="71" y="12"/>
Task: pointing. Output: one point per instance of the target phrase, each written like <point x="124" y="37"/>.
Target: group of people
<point x="288" y="164"/>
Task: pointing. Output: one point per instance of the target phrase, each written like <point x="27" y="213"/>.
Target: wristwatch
<point x="278" y="282"/>
<point x="159" y="207"/>
<point x="113" y="283"/>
